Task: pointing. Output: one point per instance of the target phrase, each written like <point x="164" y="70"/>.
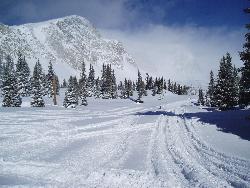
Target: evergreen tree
<point x="235" y="86"/>
<point x="140" y="88"/>
<point x="244" y="92"/>
<point x="64" y="84"/>
<point x="169" y="85"/>
<point x="91" y="81"/>
<point x="11" y="96"/>
<point x="98" y="88"/>
<point x="71" y="97"/>
<point x="49" y="80"/>
<point x="211" y="90"/>
<point x="113" y="85"/>
<point x="224" y="90"/>
<point x="23" y="75"/>
<point x="1" y="70"/>
<point x="83" y="87"/>
<point x="37" y="100"/>
<point x="201" y="98"/>
<point x="123" y="92"/>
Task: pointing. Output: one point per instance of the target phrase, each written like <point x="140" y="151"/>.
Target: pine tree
<point x="113" y="85"/>
<point x="83" y="87"/>
<point x="23" y="75"/>
<point x="123" y="92"/>
<point x="91" y="81"/>
<point x="37" y="100"/>
<point x="71" y="97"/>
<point x="244" y="93"/>
<point x="211" y="90"/>
<point x="236" y="81"/>
<point x="169" y="85"/>
<point x="201" y="97"/>
<point x="225" y="84"/>
<point x="49" y="79"/>
<point x="64" y="84"/>
<point x="1" y="70"/>
<point x="11" y="96"/>
<point x="98" y="88"/>
<point x="140" y="88"/>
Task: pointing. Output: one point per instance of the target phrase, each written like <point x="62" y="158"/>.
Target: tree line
<point x="106" y="86"/>
<point x="16" y="82"/>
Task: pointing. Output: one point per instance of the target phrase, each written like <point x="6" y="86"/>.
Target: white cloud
<point x="185" y="53"/>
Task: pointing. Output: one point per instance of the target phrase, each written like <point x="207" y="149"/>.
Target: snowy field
<point x="118" y="143"/>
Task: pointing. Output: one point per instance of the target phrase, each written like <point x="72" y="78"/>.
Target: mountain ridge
<point x="66" y="42"/>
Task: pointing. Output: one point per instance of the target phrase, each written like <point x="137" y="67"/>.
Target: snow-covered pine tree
<point x="201" y="100"/>
<point x="104" y="81"/>
<point x="64" y="84"/>
<point x="71" y="97"/>
<point x="50" y="79"/>
<point x="244" y="93"/>
<point x="123" y="93"/>
<point x="83" y="93"/>
<point x="1" y="69"/>
<point x="224" y="89"/>
<point x="11" y="96"/>
<point x="236" y="80"/>
<point x="98" y="88"/>
<point x="37" y="100"/>
<point x="179" y="89"/>
<point x="23" y="75"/>
<point x="169" y="85"/>
<point x="210" y="92"/>
<point x="91" y="81"/>
<point x="149" y="82"/>
<point x="113" y="92"/>
<point x="140" y="88"/>
<point x="165" y="85"/>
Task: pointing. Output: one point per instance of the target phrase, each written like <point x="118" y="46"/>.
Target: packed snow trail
<point x="112" y="144"/>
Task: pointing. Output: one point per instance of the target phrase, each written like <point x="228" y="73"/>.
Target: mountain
<point x="66" y="42"/>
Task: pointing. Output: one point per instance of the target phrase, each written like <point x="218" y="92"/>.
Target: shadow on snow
<point x="236" y="122"/>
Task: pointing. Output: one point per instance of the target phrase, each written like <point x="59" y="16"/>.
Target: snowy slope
<point x="66" y="42"/>
<point x="117" y="143"/>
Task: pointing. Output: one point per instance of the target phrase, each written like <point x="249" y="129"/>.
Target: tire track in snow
<point x="200" y="164"/>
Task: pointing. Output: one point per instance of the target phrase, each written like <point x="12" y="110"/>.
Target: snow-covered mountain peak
<point x="66" y="42"/>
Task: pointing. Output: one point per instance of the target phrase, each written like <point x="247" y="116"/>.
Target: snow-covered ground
<point x="118" y="143"/>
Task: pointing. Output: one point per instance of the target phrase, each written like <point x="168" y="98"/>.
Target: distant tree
<point x="1" y="69"/>
<point x="169" y="85"/>
<point x="113" y="85"/>
<point x="201" y="100"/>
<point x="91" y="81"/>
<point x="98" y="88"/>
<point x="64" y="84"/>
<point x="244" y="84"/>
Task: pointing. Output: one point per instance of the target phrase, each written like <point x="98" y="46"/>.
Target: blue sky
<point x="163" y="36"/>
<point x="129" y="13"/>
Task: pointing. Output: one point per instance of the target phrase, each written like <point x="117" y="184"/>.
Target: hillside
<point x="66" y="42"/>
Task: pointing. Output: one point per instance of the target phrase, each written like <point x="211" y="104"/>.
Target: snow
<point x="67" y="42"/>
<point x="119" y="143"/>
